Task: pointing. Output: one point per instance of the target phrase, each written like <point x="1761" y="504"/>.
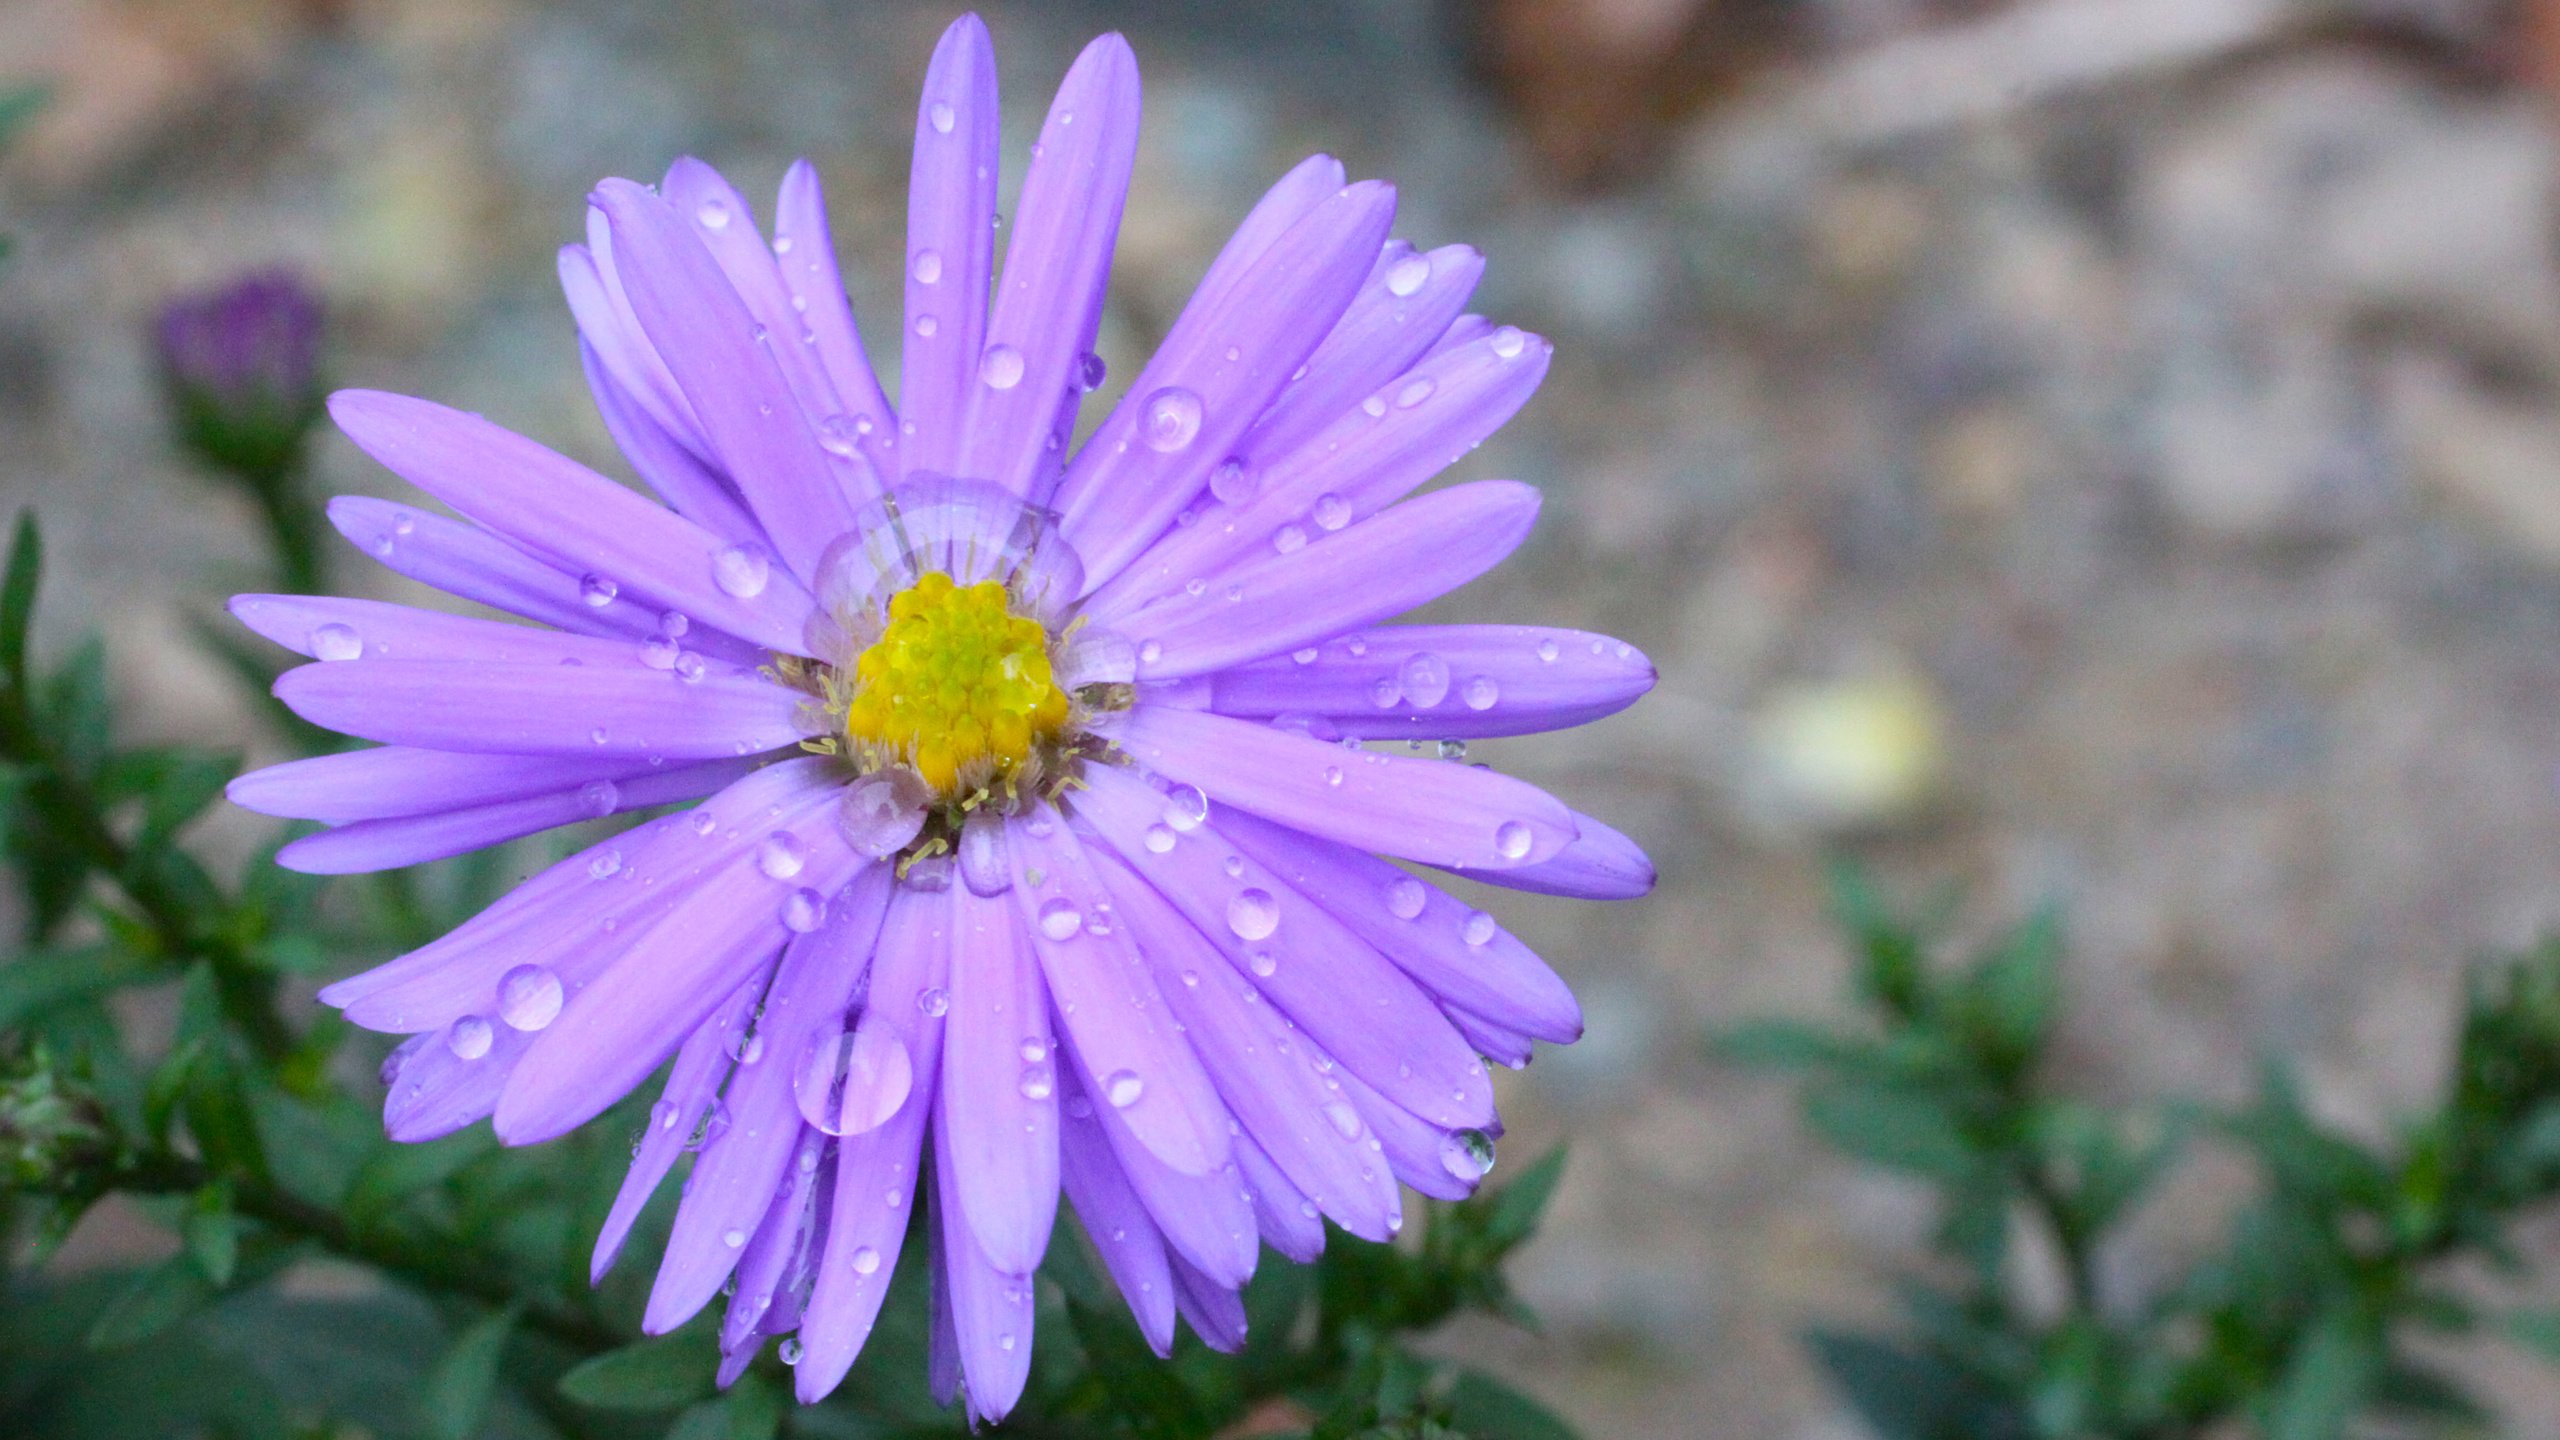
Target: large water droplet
<point x="1331" y="512"/>
<point x="789" y="1351"/>
<point x="336" y="642"/>
<point x="1425" y="678"/>
<point x="1253" y="914"/>
<point x="469" y="1038"/>
<point x="940" y="117"/>
<point x="1345" y="1119"/>
<point x="884" y="810"/>
<point x="1000" y="367"/>
<point x="781" y="855"/>
<point x="985" y="865"/>
<point x="1479" y="928"/>
<point x="1123" y="1088"/>
<point x="1466" y="1154"/>
<point x="529" y="997"/>
<point x="597" y="591"/>
<point x="1039" y="1082"/>
<point x="803" y="911"/>
<point x="599" y="798"/>
<point x="1512" y="839"/>
<point x="1508" y="342"/>
<point x="1406" y="276"/>
<point x="1406" y="897"/>
<point x="1481" y="692"/>
<point x="927" y="267"/>
<point x="934" y="1002"/>
<point x="852" y="1081"/>
<point x="714" y="214"/>
<point x="1060" y="919"/>
<point x="1160" y="838"/>
<point x="605" y="866"/>
<point x="1234" y="482"/>
<point x="1091" y="371"/>
<point x="1170" y="420"/>
<point x="866" y="1261"/>
<point x="741" y="570"/>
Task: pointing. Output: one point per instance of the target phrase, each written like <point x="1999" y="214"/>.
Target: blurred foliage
<point x="250" y="1132"/>
<point x="2307" y="1319"/>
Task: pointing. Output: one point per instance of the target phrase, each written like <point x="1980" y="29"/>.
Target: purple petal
<point x="1309" y="184"/>
<point x="1207" y="1219"/>
<point x="1192" y="403"/>
<point x="693" y="1083"/>
<point x="781" y="1243"/>
<point x="409" y="840"/>
<point x="1434" y="811"/>
<point x="1407" y="303"/>
<point x="437" y="1091"/>
<point x="1122" y="1233"/>
<point x="388" y="781"/>
<point x="690" y="487"/>
<point x="734" y="1180"/>
<point x="619" y="1027"/>
<point x="1437" y="682"/>
<point x="1368" y="457"/>
<point x="1215" y="1311"/>
<point x="546" y="709"/>
<point x="1498" y="1043"/>
<point x="1346" y="996"/>
<point x="1290" y="1222"/>
<point x="1264" y="1069"/>
<point x="607" y="327"/>
<point x="1046" y="310"/>
<point x="725" y="363"/>
<point x="1141" y="1065"/>
<point x="876" y="1169"/>
<point x="951" y="210"/>
<point x="567" y="514"/>
<point x="991" y="1309"/>
<point x="1600" y="864"/>
<point x="805" y="251"/>
<point x="999" y="1091"/>
<point x="329" y="627"/>
<point x="1458" y="954"/>
<point x="1385" y="565"/>
<point x="1415" y="1149"/>
<point x="463" y="560"/>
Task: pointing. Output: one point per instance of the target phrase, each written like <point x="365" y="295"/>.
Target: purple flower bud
<point x="241" y="366"/>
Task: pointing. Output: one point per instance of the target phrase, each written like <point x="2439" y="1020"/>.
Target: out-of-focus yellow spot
<point x="1854" y="753"/>
<point x="958" y="686"/>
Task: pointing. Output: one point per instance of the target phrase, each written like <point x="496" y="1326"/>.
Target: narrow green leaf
<point x="167" y="1087"/>
<point x="1780" y="1045"/>
<point x="1484" y="1408"/>
<point x="656" y="1374"/>
<point x="37" y="982"/>
<point x="1903" y="1395"/>
<point x="18" y="586"/>
<point x="2328" y="1378"/>
<point x="157" y="1299"/>
<point x="1893" y="1128"/>
<point x="454" y="1399"/>
<point x="393" y="1173"/>
<point x="212" y="1235"/>
<point x="1520" y="1204"/>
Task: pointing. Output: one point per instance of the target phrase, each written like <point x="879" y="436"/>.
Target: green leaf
<point x="2328" y="1378"/>
<point x="19" y="104"/>
<point x="212" y="1235"/>
<point x="454" y="1401"/>
<point x="41" y="980"/>
<point x="1903" y="1395"/>
<point x="1781" y="1045"/>
<point x="157" y="1299"/>
<point x="2015" y="990"/>
<point x="708" y="1420"/>
<point x="393" y="1173"/>
<point x="1893" y="1128"/>
<point x="662" y="1373"/>
<point x="25" y="570"/>
<point x="168" y="1086"/>
<point x="1519" y="1205"/>
<point x="2537" y="1330"/>
<point x="1487" y="1409"/>
<point x="754" y="1408"/>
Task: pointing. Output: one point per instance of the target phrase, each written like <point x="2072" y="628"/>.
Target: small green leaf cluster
<point x="2310" y="1315"/>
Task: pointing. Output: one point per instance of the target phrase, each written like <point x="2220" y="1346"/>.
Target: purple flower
<point x="242" y="360"/>
<point x="1037" y="849"/>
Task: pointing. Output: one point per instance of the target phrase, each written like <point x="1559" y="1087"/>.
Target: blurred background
<point x="2100" y="451"/>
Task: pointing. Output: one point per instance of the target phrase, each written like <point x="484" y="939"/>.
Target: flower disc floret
<point x="955" y="682"/>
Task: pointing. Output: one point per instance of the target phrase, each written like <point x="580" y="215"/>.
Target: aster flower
<point x="1037" y="850"/>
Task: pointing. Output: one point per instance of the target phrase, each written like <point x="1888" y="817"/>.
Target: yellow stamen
<point x="958" y="686"/>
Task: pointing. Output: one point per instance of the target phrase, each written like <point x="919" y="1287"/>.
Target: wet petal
<point x="951" y="209"/>
<point x="808" y="267"/>
<point x="409" y="840"/>
<point x="1599" y="864"/>
<point x="693" y="1084"/>
<point x="999" y="1091"/>
<point x="546" y="709"/>
<point x="1122" y="1232"/>
<point x="1442" y="682"/>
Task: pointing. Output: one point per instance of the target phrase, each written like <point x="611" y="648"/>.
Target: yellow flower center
<point x="957" y="687"/>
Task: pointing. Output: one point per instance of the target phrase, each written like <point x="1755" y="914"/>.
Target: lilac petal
<point x="999" y="1091"/>
<point x="388" y="781"/>
<point x="409" y="840"/>
<point x="693" y="1083"/>
<point x="735" y="1179"/>
<point x="1458" y="954"/>
<point x="1415" y="1149"/>
<point x="618" y="1028"/>
<point x="1429" y="810"/>
<point x="1600" y="864"/>
<point x="764" y="1299"/>
<point x="546" y="709"/>
<point x="438" y="1091"/>
<point x="942" y="1335"/>
<point x="577" y="917"/>
<point x="1309" y="184"/>
<point x="1340" y="991"/>
<point x="1385" y="565"/>
<point x="1109" y="1003"/>
<point x="567" y="514"/>
<point x="1192" y="402"/>
<point x="463" y="560"/>
<point x="694" y="316"/>
<point x="1264" y="1070"/>
<point x="951" y="210"/>
<point x="726" y="227"/>
<point x="1216" y="1311"/>
<point x="1050" y="301"/>
<point x="991" y="1308"/>
<point x="690" y="487"/>
<point x="1122" y="1233"/>
<point x="607" y="327"/>
<point x="1394" y="320"/>
<point x="1498" y="1043"/>
<point x="1207" y="1219"/>
<point x="876" y="1168"/>
<point x="1368" y="457"/>
<point x="333" y="628"/>
<point x="1463" y="331"/>
<point x="805" y="251"/>
<point x="1442" y="682"/>
<point x="1290" y="1222"/>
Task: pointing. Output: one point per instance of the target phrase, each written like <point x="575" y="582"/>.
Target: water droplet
<point x="882" y="811"/>
<point x="985" y="861"/>
<point x="804" y="911"/>
<point x="690" y="668"/>
<point x="1186" y="808"/>
<point x="703" y="824"/>
<point x="1383" y="692"/>
<point x="1090" y="371"/>
<point x="1512" y="839"/>
<point x="1039" y="1082"/>
<point x="837" y="436"/>
<point x="1479" y="928"/>
<point x="1415" y="392"/>
<point x="930" y="873"/>
<point x="934" y="1001"/>
<point x="927" y="267"/>
<point x="939" y="116"/>
<point x="1000" y="367"/>
<point x="781" y="855"/>
<point x="403" y="523"/>
<point x="927" y="326"/>
<point x="1005" y="1341"/>
<point x="789" y="1351"/>
<point x="1374" y="406"/>
<point x="1123" y="1088"/>
<point x="1508" y="342"/>
<point x="1233" y="482"/>
<point x="659" y="652"/>
<point x="605" y="866"/>
<point x="1331" y="512"/>
<point x="469" y="1038"/>
<point x="1289" y="539"/>
<point x="1159" y="838"/>
<point x="1305" y="657"/>
<point x="1547" y="651"/>
<point x="1467" y="1154"/>
<point x="1406" y="897"/>
<point x="336" y="642"/>
<point x="852" y="1081"/>
<point x="1253" y="914"/>
<point x="597" y="591"/>
<point x="1425" y="678"/>
<point x="1234" y="866"/>
<point x="1149" y="652"/>
<point x="733" y="1238"/>
<point x="1333" y="775"/>
<point x="866" y="1261"/>
<point x="1406" y="276"/>
<point x="1262" y="963"/>
<point x="747" y="1047"/>
<point x="529" y="997"/>
<point x="1195" y="587"/>
<point x="1170" y="420"/>
<point x="1345" y="1119"/>
<point x="599" y="798"/>
<point x="741" y="570"/>
<point x="1481" y="692"/>
<point x="1060" y="919"/>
